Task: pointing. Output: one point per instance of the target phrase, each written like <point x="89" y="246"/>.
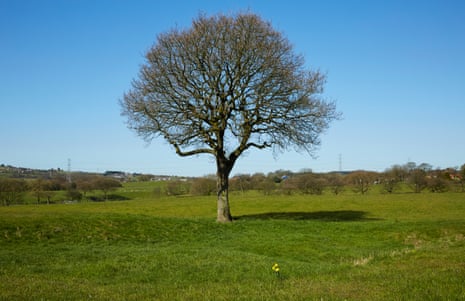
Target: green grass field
<point x="346" y="247"/>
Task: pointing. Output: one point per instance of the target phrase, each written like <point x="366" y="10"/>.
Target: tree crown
<point x="227" y="84"/>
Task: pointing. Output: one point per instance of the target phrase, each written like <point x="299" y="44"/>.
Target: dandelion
<point x="275" y="269"/>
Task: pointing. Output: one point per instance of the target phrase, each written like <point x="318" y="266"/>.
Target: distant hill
<point x="8" y="171"/>
<point x="30" y="173"/>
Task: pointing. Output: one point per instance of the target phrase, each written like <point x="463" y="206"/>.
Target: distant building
<point x="116" y="175"/>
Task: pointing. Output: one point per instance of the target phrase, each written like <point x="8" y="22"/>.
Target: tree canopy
<point x="225" y="85"/>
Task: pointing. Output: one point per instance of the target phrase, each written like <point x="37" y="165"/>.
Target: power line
<point x="69" y="171"/>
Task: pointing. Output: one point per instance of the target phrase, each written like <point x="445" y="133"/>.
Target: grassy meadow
<point x="402" y="246"/>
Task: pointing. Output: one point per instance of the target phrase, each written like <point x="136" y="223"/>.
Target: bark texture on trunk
<point x="222" y="185"/>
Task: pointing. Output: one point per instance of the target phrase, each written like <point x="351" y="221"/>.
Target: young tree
<point x="391" y="178"/>
<point x="361" y="180"/>
<point x="336" y="183"/>
<point x="38" y="188"/>
<point x="417" y="180"/>
<point x="11" y="190"/>
<point x="437" y="184"/>
<point x="202" y="186"/>
<point x="106" y="185"/>
<point x="257" y="180"/>
<point x="86" y="185"/>
<point x="309" y="183"/>
<point x="241" y="182"/>
<point x="177" y="187"/>
<point x="226" y="85"/>
<point x="397" y="172"/>
<point x="268" y="186"/>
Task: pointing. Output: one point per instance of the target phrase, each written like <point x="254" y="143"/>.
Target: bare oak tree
<point x="225" y="85"/>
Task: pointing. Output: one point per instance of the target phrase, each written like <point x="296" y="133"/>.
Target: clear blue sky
<point x="395" y="68"/>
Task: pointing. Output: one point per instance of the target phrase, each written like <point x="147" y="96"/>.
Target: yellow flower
<point x="275" y="267"/>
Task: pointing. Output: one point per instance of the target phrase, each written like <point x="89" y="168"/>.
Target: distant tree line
<point x="409" y="177"/>
<point x="48" y="189"/>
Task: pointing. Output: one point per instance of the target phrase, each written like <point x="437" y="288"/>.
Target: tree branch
<point x="192" y="152"/>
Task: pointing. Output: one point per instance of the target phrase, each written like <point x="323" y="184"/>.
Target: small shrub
<point x="437" y="184"/>
<point x="203" y="186"/>
<point x="177" y="187"/>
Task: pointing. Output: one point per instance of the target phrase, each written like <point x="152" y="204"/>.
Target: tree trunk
<point x="222" y="185"/>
